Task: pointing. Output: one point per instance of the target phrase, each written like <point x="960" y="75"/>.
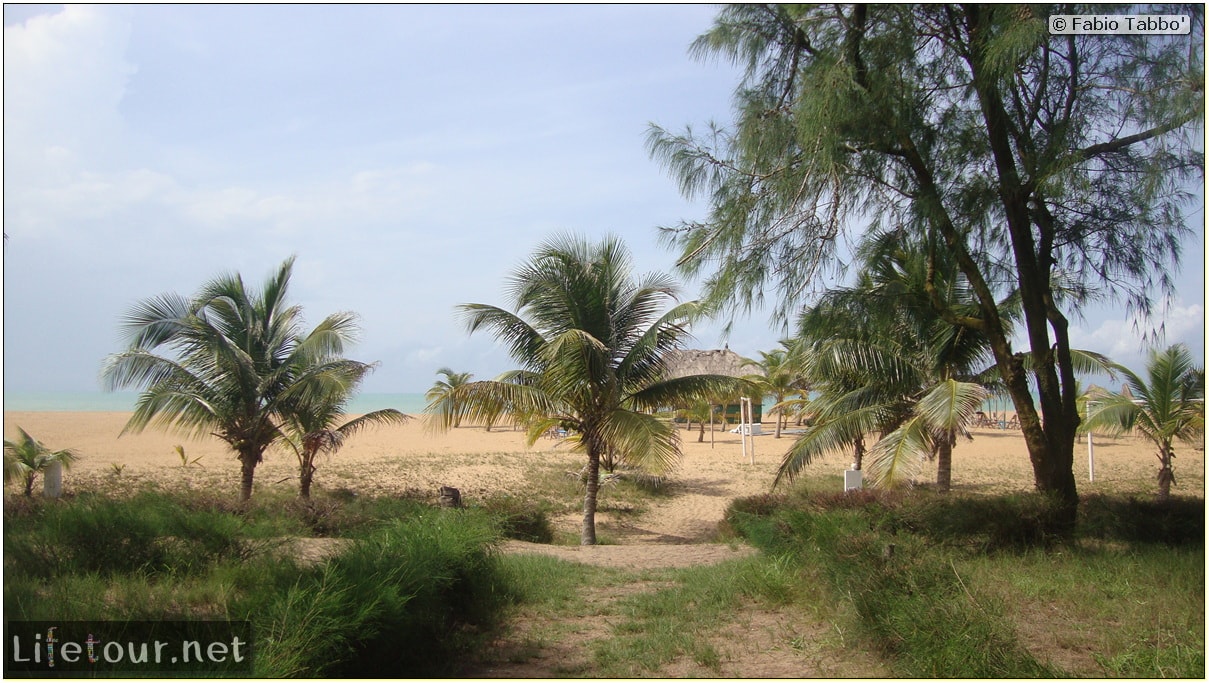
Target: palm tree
<point x="777" y="378"/>
<point x="240" y="367"/>
<point x="312" y="427"/>
<point x="26" y="457"/>
<point x="1165" y="406"/>
<point x="700" y="411"/>
<point x="443" y="391"/>
<point x="590" y="341"/>
<point x="885" y="361"/>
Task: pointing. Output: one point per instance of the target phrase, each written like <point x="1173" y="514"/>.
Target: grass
<point x="410" y="596"/>
<point x="937" y="586"/>
<point x="612" y="623"/>
<point x="949" y="586"/>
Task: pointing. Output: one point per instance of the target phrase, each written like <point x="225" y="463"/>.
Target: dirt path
<point x="637" y="557"/>
<point x="676" y="531"/>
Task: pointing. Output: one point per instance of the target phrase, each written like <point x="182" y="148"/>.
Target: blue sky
<point x="409" y="156"/>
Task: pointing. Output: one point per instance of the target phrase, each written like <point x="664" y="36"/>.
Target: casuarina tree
<point x="1053" y="165"/>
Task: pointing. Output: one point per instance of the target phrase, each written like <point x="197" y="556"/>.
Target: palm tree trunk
<point x="29" y="485"/>
<point x="701" y="434"/>
<point x="306" y="475"/>
<point x="247" y="470"/>
<point x="944" y="462"/>
<point x="1166" y="474"/>
<point x="588" y="535"/>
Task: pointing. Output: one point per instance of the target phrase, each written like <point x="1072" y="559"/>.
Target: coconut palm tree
<point x="238" y="365"/>
<point x="313" y="429"/>
<point x="700" y="411"/>
<point x="887" y="359"/>
<point x="443" y="390"/>
<point x="1167" y="405"/>
<point x="590" y="340"/>
<point x="26" y="457"/>
<point x="886" y="362"/>
<point x="777" y="378"/>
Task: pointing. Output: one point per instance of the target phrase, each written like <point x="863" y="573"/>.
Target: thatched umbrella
<point x="686" y="362"/>
<point x="683" y="363"/>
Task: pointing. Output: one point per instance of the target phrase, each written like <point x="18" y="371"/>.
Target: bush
<point x="1178" y="521"/>
<point x="878" y="549"/>
<point x="520" y="518"/>
<point x="1012" y="522"/>
<point x="405" y="602"/>
<point x="149" y="533"/>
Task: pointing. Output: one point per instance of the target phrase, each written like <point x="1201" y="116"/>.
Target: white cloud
<point x="65" y="75"/>
<point x="1126" y="341"/>
<point x="424" y="357"/>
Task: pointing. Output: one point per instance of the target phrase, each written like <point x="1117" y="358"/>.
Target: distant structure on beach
<point x="683" y="363"/>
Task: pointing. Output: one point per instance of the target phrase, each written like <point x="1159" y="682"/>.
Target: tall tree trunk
<point x="701" y="434"/>
<point x="1051" y="444"/>
<point x="858" y="455"/>
<point x="588" y="535"/>
<point x="247" y="470"/>
<point x="944" y="462"/>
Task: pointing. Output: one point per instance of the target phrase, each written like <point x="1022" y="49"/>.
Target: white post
<point x="751" y="430"/>
<point x="742" y="436"/>
<point x="52" y="480"/>
<point x="745" y="429"/>
<point x="1091" y="459"/>
<point x="1091" y="451"/>
<point x="711" y="425"/>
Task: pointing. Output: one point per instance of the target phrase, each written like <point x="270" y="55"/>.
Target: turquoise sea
<point x="123" y="402"/>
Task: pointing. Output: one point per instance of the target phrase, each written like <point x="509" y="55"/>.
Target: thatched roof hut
<point x="724" y="362"/>
<point x="688" y="362"/>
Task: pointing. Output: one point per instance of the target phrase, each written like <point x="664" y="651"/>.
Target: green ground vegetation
<point x="952" y="586"/>
<point x="909" y="583"/>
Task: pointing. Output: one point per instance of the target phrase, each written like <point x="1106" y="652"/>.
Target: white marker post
<point x="745" y="429"/>
<point x="1091" y="451"/>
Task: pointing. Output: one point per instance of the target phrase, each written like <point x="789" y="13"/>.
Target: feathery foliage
<point x="1052" y="166"/>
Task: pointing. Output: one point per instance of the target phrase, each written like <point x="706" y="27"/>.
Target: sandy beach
<point x="397" y="459"/>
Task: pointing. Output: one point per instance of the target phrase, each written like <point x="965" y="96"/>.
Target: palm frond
<point x="899" y="454"/>
<point x="647" y="442"/>
<point x="951" y="405"/>
<point x="829" y="434"/>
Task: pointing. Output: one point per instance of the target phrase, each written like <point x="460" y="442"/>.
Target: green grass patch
<point x="950" y="586"/>
<point x="411" y="594"/>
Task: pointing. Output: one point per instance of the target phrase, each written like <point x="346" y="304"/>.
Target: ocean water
<point x="123" y="402"/>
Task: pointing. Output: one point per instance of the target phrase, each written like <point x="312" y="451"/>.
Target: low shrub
<point x="149" y="533"/>
<point x="408" y="601"/>
<point x="874" y="548"/>
<point x="1178" y="521"/>
<point x="988" y="523"/>
<point x="520" y="518"/>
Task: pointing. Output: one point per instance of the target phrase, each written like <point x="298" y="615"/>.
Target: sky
<point x="409" y="156"/>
